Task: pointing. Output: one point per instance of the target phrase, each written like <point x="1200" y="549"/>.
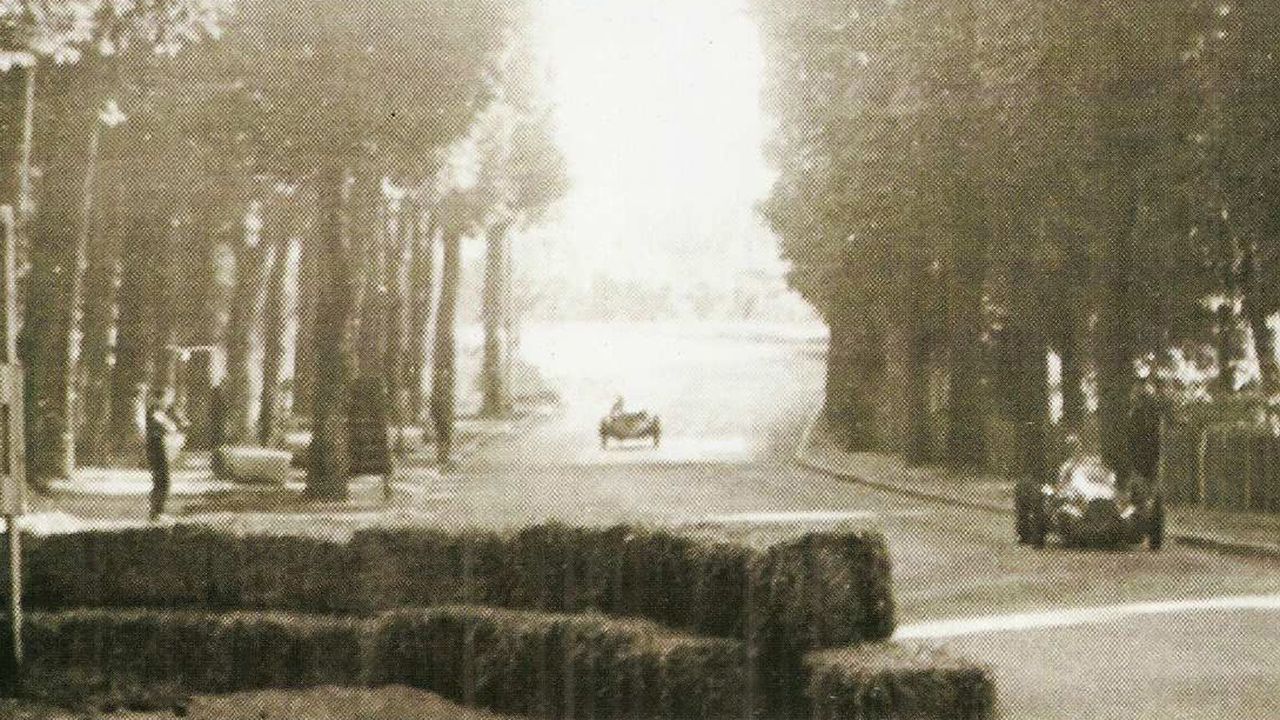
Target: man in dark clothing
<point x="158" y="429"/>
<point x="1144" y="432"/>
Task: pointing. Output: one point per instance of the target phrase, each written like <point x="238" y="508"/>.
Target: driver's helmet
<point x="1087" y="477"/>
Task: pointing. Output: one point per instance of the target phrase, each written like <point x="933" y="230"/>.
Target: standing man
<point x="1144" y="432"/>
<point x="159" y="427"/>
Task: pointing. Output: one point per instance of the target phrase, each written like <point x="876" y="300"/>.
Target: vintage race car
<point x="1087" y="507"/>
<point x="630" y="425"/>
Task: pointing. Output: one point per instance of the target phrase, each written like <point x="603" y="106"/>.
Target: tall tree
<point x="66" y="147"/>
<point x="310" y="69"/>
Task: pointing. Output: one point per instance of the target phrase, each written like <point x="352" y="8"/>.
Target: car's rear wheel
<point x="1155" y="526"/>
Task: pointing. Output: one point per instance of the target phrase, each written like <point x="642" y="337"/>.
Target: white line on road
<point x="803" y="516"/>
<point x="1079" y="616"/>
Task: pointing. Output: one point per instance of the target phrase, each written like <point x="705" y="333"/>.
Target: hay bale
<point x="276" y="650"/>
<point x="59" y="571"/>
<point x="559" y="665"/>
<point x="252" y="465"/>
<point x="819" y="591"/>
<point x="157" y="567"/>
<point x="825" y="590"/>
<point x="83" y="654"/>
<point x="415" y="567"/>
<point x="883" y="680"/>
<point x="296" y="574"/>
<point x="93" y="653"/>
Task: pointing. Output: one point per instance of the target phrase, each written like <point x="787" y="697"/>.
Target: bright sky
<point x="658" y="113"/>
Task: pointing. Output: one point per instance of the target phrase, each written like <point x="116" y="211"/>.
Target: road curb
<point x="1196" y="540"/>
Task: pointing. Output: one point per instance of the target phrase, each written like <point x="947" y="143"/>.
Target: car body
<point x="1088" y="506"/>
<point x="629" y="426"/>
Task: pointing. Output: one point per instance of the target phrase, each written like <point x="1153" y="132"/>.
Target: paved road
<point x="733" y="405"/>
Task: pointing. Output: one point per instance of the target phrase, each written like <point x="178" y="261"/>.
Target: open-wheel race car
<point x="629" y="426"/>
<point x="1087" y="506"/>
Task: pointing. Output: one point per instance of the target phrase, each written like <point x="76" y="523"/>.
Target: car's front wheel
<point x="1021" y="524"/>
<point x="1025" y="501"/>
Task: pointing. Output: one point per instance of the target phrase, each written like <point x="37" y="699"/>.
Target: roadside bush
<point x="883" y="680"/>
<point x="555" y="665"/>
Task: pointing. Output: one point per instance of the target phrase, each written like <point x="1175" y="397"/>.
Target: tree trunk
<point x="1029" y="351"/>
<point x="966" y="431"/>
<point x="52" y="328"/>
<point x="368" y="233"/>
<point x="12" y="110"/>
<point x="918" y="446"/>
<point x="1116" y="339"/>
<point x="328" y="459"/>
<point x="309" y="288"/>
<point x="136" y="325"/>
<point x="1256" y="312"/>
<point x="1224" y="327"/>
<point x="443" y="381"/>
<point x="1071" y="338"/>
<point x="423" y="287"/>
<point x="1030" y="398"/>
<point x="102" y="278"/>
<point x="398" y="361"/>
<point x="855" y="362"/>
<point x="255" y="262"/>
<point x="495" y="397"/>
<point x="281" y="307"/>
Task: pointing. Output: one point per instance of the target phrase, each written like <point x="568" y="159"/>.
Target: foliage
<point x="62" y="30"/>
<point x="1072" y="174"/>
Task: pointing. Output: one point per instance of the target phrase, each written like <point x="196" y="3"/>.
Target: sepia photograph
<point x="640" y="359"/>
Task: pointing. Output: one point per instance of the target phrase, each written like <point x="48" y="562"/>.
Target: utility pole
<point x="12" y="462"/>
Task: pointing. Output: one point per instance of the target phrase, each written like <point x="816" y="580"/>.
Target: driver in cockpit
<point x="1081" y="467"/>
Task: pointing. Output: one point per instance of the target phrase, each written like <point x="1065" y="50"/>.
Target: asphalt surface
<point x="733" y="405"/>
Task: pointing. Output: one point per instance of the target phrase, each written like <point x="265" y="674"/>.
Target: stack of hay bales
<point x="548" y="620"/>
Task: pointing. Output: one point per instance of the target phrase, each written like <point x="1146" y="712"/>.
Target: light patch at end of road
<point x="1080" y="616"/>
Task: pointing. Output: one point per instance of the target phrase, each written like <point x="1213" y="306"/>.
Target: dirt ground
<point x="324" y="703"/>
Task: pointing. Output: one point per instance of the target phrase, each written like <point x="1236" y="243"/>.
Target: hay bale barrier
<point x="559" y="665"/>
<point x="821" y="590"/>
<point x="539" y="664"/>
<point x="545" y="620"/>
<point x="886" y="680"/>
<point x="186" y="567"/>
<point x="146" y="657"/>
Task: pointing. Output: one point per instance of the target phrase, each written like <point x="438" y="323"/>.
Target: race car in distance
<point x="630" y="425"/>
<point x="1086" y="506"/>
